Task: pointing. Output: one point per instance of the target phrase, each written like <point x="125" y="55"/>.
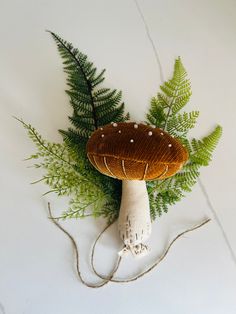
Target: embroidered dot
<point x="115" y="125"/>
<point x="162" y="133"/>
<point x="135" y="126"/>
<point x="169" y="145"/>
<point x="119" y="131"/>
<point x="150" y="133"/>
<point x="131" y="141"/>
<point x="102" y="135"/>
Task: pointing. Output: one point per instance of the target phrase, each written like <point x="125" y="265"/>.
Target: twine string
<point x="150" y="268"/>
<point x="110" y="278"/>
<point x="77" y="256"/>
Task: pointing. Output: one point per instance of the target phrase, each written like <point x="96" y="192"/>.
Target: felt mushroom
<point x="135" y="153"/>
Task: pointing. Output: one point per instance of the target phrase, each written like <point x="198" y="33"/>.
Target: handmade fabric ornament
<point x="113" y="168"/>
<point x="134" y="153"/>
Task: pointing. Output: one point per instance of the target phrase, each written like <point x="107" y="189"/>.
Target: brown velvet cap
<point x="130" y="151"/>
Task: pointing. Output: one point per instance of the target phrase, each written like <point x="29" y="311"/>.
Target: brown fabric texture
<point x="130" y="151"/>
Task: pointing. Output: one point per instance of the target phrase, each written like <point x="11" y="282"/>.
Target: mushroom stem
<point x="134" y="221"/>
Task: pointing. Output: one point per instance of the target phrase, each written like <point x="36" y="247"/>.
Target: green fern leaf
<point x="165" y="113"/>
<point x="203" y="149"/>
<point x="175" y="94"/>
<point x="92" y="107"/>
<point x="177" y="89"/>
<point x="70" y="174"/>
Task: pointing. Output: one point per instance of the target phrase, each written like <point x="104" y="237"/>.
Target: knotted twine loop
<point x="110" y="278"/>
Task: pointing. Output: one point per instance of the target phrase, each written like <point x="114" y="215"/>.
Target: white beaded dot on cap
<point x="131" y="141"/>
<point x="162" y="133"/>
<point x="119" y="131"/>
<point x="135" y="125"/>
<point x="150" y="133"/>
<point x="101" y="129"/>
<point x="102" y="135"/>
<point x="115" y="125"/>
<point x="169" y="145"/>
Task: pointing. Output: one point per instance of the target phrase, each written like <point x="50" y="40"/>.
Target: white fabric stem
<point x="134" y="221"/>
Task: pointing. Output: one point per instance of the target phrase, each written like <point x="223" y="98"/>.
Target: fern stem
<point x="93" y="107"/>
<point x="44" y="178"/>
<point x="64" y="217"/>
<point x="155" y="188"/>
<point x="74" y="212"/>
<point x="170" y="107"/>
<point x="48" y="192"/>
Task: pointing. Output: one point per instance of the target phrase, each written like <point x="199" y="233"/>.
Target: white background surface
<point x="36" y="260"/>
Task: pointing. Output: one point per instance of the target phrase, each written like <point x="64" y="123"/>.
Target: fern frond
<point x="203" y="149"/>
<point x="165" y="113"/>
<point x="175" y="94"/>
<point x="164" y="193"/>
<point x="92" y="107"/>
<point x="69" y="173"/>
<point x="180" y="87"/>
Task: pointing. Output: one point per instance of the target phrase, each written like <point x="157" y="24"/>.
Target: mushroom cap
<point x="131" y="151"/>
